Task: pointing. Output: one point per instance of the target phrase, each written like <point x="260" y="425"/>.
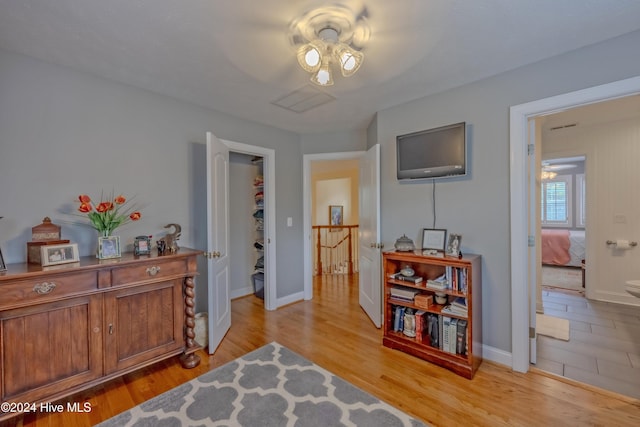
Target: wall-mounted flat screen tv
<point x="434" y="153"/>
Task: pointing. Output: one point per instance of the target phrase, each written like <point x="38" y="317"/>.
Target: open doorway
<point x="331" y="193"/>
<point x="523" y="259"/>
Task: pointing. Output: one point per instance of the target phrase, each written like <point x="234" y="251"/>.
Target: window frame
<point x="568" y="222"/>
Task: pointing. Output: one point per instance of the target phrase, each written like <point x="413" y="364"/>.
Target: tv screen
<point x="432" y="153"/>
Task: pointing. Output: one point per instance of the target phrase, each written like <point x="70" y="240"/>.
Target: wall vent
<point x="570" y="125"/>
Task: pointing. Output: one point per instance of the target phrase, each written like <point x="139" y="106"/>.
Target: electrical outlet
<point x="619" y="219"/>
<point x="289" y="222"/>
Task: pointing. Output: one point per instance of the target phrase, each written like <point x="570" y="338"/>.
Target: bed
<point x="563" y="247"/>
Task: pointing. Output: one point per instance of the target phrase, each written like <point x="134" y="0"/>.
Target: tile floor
<point x="604" y="343"/>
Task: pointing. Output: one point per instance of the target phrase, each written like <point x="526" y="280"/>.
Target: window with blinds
<point x="556" y="201"/>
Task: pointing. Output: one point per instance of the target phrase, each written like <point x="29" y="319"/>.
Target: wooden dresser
<point x="69" y="327"/>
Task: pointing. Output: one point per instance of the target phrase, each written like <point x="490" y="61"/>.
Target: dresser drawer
<point x="47" y="287"/>
<point x="156" y="269"/>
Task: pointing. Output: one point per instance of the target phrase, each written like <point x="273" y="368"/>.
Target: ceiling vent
<point x="570" y="125"/>
<point x="303" y="99"/>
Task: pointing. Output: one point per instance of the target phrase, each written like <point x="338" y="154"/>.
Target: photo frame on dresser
<point x="109" y="247"/>
<point x="433" y="239"/>
<point x="59" y="254"/>
<point x="3" y="266"/>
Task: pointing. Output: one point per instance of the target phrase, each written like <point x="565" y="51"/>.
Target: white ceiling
<point x="235" y="56"/>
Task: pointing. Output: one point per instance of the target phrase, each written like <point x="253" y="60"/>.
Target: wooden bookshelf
<point x="464" y="280"/>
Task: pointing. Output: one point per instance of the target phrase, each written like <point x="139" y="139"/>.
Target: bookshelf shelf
<point x="451" y="340"/>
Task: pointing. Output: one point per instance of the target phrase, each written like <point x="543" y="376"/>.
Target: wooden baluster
<point x="350" y="253"/>
<point x="319" y="249"/>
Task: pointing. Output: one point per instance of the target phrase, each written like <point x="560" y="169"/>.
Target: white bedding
<point x="577" y="248"/>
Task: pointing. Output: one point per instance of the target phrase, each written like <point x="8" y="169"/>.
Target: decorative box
<point x="423" y="300"/>
<point x="46" y="233"/>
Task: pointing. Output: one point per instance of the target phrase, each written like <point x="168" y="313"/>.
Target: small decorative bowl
<point x="407" y="271"/>
<point x="441" y="298"/>
<point x="404" y="244"/>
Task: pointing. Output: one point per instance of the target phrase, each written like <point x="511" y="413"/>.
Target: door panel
<point x="370" y="287"/>
<point x="218" y="240"/>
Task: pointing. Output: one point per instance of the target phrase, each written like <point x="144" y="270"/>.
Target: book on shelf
<point x="433" y="329"/>
<point x="412" y="279"/>
<point x="453" y="328"/>
<point x="446" y="330"/>
<point x="403" y="293"/>
<point x="398" y="318"/>
<point x="420" y="329"/>
<point x="451" y="309"/>
<point x="461" y="337"/>
<point x="439" y="283"/>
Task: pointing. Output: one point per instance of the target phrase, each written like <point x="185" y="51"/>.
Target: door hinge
<point x="531" y="148"/>
<point x="531" y="241"/>
<point x="532" y="332"/>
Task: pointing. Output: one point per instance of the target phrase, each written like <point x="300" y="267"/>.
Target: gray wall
<point x="63" y="133"/>
<point x="478" y="206"/>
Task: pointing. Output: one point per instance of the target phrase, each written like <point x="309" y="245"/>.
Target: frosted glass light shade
<point x="350" y="60"/>
<point x="309" y="57"/>
<point x="323" y="76"/>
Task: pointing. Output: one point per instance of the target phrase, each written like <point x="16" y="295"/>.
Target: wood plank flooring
<point x="332" y="331"/>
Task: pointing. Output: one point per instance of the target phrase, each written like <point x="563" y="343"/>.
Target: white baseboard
<point x="498" y="356"/>
<point x="237" y="293"/>
<point x="289" y="299"/>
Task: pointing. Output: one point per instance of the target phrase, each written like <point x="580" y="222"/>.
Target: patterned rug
<point x="271" y="386"/>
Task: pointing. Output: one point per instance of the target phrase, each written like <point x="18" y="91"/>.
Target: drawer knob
<point x="152" y="271"/>
<point x="44" y="288"/>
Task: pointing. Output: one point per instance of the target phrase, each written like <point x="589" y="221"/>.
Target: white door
<point x="219" y="303"/>
<point x="370" y="288"/>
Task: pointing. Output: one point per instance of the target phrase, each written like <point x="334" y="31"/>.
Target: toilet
<point x="633" y="287"/>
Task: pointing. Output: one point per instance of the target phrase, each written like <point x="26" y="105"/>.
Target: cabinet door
<point x="49" y="348"/>
<point x="143" y="323"/>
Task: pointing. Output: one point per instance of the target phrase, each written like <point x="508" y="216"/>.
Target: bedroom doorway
<point x="521" y="261"/>
<point x="606" y="146"/>
<point x="563" y="225"/>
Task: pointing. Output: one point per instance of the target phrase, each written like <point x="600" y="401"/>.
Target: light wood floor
<point x="332" y="331"/>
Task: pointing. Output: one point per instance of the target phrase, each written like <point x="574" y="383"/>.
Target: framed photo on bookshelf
<point x="453" y="247"/>
<point x="433" y="239"/>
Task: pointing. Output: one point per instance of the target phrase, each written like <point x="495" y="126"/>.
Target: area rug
<point x="554" y="327"/>
<point x="569" y="278"/>
<point x="271" y="386"/>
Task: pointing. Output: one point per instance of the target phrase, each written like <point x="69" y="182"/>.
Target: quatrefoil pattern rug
<point x="271" y="386"/>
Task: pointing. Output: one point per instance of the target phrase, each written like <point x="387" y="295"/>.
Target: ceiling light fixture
<point x="329" y="38"/>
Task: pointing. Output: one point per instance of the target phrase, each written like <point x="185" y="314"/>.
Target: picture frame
<point x="109" y="247"/>
<point x="59" y="254"/>
<point x="3" y="266"/>
<point x="434" y="239"/>
<point x="336" y="216"/>
<point x="453" y="246"/>
<point x="142" y="245"/>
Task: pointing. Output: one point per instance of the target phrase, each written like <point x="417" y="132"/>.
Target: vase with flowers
<point x="105" y="216"/>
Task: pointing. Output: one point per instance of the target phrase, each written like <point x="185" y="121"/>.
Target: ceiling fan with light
<point x="327" y="38"/>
